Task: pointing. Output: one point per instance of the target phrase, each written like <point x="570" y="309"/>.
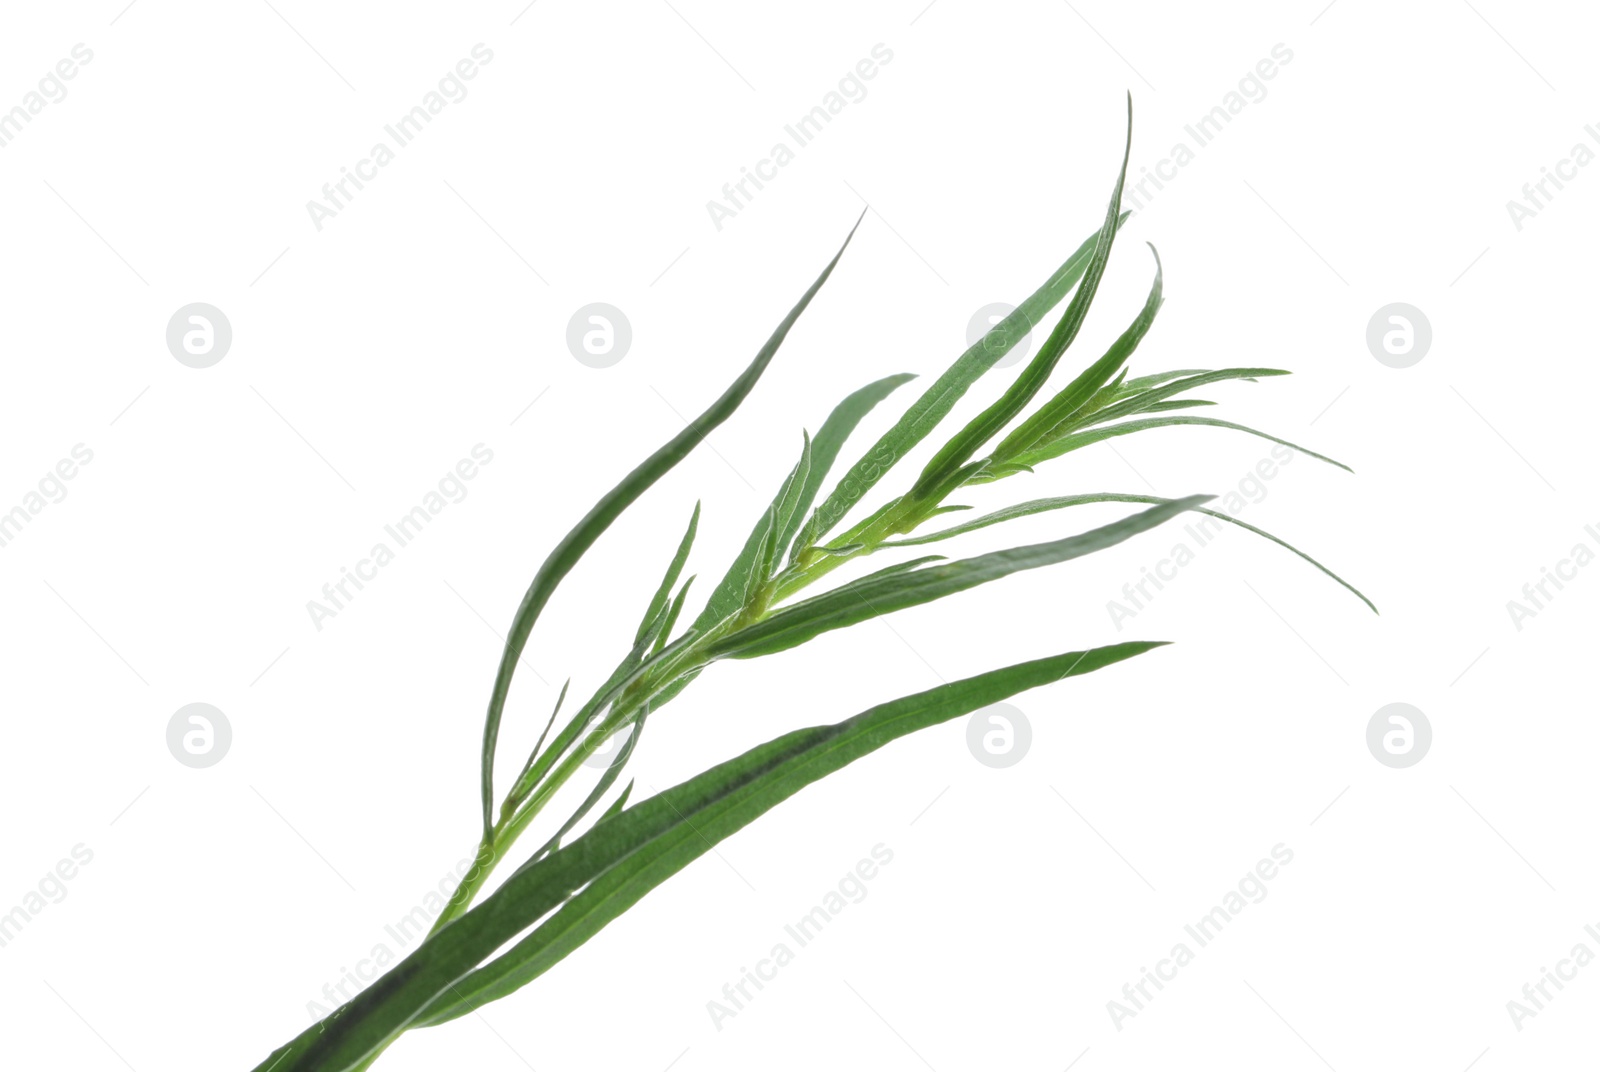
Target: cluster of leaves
<point x="570" y="887"/>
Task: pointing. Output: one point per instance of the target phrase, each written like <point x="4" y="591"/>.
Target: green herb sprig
<point x="570" y="887"/>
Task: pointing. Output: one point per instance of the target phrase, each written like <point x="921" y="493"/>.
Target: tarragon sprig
<point x="571" y="886"/>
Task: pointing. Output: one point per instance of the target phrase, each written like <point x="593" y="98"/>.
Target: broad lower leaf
<point x="622" y="858"/>
<point x="673" y="829"/>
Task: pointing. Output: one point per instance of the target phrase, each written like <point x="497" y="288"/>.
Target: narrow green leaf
<point x="608" y="777"/>
<point x="666" y="695"/>
<point x="751" y="568"/>
<point x="756" y="580"/>
<point x="1108" y="394"/>
<point x="1082" y="390"/>
<point x="572" y="547"/>
<point x="1009" y="513"/>
<point x="659" y="600"/>
<point x="672" y="614"/>
<point x="897" y="568"/>
<point x="521" y="783"/>
<point x="830" y="439"/>
<point x="995" y="472"/>
<point x="1039" y="506"/>
<point x="842" y="551"/>
<point x="937" y="401"/>
<point x="1142" y="383"/>
<point x="873" y="596"/>
<point x="1141" y="402"/>
<point x="620" y="803"/>
<point x="633" y="666"/>
<point x="789" y="501"/>
<point x="1058" y="447"/>
<point x="970" y="473"/>
<point x="1176" y="403"/>
<point x="871" y="519"/>
<point x="732" y="594"/>
<point x="965" y="443"/>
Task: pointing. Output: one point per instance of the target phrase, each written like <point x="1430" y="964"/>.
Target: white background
<point x="426" y="317"/>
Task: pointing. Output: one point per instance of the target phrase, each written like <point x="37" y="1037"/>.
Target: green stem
<point x="547" y="778"/>
<point x="904" y="516"/>
<point x="548" y="773"/>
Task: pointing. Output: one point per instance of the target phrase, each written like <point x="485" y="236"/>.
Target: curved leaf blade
<point x="577" y="542"/>
<point x="716" y="804"/>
